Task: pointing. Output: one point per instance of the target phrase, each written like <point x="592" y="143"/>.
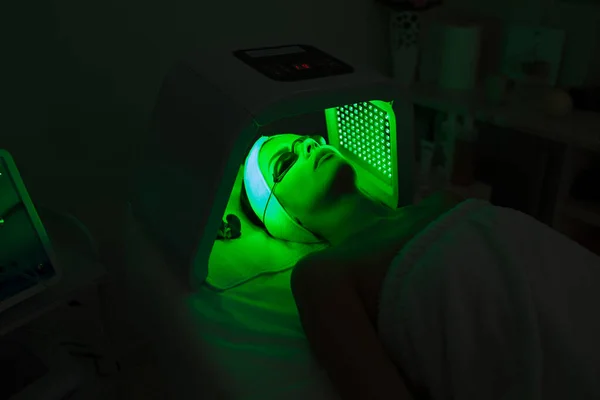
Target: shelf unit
<point x="580" y="129"/>
<point x="578" y="133"/>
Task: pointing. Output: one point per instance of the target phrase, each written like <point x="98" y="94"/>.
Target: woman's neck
<point x="352" y="214"/>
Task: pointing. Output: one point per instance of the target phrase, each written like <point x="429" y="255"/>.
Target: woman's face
<point x="311" y="174"/>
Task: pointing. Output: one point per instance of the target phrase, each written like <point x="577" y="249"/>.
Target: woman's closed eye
<point x="284" y="163"/>
<point x="286" y="160"/>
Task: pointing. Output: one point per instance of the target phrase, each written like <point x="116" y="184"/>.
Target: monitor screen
<point x="24" y="262"/>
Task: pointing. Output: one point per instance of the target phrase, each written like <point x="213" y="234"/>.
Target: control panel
<point x="293" y="63"/>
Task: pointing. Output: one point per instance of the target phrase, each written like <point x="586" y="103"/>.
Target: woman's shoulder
<point x="363" y="260"/>
<point x="384" y="238"/>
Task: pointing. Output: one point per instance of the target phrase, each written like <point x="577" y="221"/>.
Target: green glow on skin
<point x="365" y="134"/>
<point x="258" y="320"/>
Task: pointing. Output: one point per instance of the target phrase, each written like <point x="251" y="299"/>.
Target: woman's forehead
<point x="277" y="142"/>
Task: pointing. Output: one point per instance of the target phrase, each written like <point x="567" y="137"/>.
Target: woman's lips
<point x="324" y="156"/>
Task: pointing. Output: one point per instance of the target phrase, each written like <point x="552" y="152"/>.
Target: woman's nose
<point x="309" y="146"/>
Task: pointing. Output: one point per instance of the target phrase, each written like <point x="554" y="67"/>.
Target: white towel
<point x="488" y="303"/>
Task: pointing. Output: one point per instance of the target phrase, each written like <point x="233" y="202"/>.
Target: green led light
<point x="364" y="130"/>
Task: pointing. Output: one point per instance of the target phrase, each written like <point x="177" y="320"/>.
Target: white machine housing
<point x="210" y="110"/>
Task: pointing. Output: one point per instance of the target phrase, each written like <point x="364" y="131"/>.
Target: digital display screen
<point x="302" y="67"/>
<point x="279" y="51"/>
<point x="24" y="262"/>
<point x="295" y="62"/>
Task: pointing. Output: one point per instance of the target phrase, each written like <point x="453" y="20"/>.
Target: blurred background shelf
<point x="578" y="128"/>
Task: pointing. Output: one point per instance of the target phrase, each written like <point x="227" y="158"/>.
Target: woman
<point x="446" y="299"/>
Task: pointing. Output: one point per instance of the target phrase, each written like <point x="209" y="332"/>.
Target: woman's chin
<point x="343" y="175"/>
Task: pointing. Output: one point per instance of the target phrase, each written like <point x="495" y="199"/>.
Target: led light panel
<point x="364" y="130"/>
<point x="365" y="133"/>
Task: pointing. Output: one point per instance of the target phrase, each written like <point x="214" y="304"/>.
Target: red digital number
<point x="300" y="67"/>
